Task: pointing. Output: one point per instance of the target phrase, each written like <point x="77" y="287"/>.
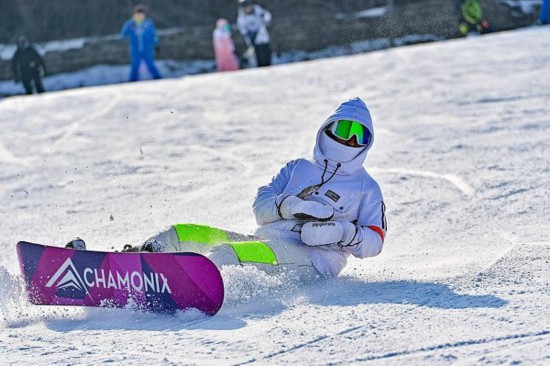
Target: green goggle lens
<point x="346" y="129"/>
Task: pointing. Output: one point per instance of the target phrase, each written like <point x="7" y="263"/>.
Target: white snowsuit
<point x="344" y="184"/>
<point x="338" y="179"/>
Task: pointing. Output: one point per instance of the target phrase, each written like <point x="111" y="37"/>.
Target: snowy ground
<point x="116" y="74"/>
<point x="462" y="153"/>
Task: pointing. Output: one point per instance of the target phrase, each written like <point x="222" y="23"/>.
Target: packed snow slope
<point x="462" y="153"/>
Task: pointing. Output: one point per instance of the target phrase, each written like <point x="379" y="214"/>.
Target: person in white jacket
<point x="329" y="206"/>
<point x="252" y="21"/>
<point x="312" y="216"/>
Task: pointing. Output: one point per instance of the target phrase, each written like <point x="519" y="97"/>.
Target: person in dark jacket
<point x="141" y="33"/>
<point x="28" y="66"/>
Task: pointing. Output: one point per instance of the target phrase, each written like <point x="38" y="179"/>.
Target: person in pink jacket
<point x="224" y="49"/>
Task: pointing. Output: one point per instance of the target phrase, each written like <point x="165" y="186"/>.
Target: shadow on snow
<point x="332" y="292"/>
<point x="351" y="292"/>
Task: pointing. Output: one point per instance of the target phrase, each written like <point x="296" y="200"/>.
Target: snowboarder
<point x="28" y="66"/>
<point x="544" y="12"/>
<point x="313" y="215"/>
<point x="471" y="18"/>
<point x="224" y="48"/>
<point x="141" y="33"/>
<point x="252" y="21"/>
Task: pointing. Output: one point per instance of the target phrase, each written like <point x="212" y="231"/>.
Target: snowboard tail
<point x="157" y="282"/>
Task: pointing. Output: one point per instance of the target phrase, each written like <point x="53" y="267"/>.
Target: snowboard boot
<point x="151" y="246"/>
<point x="77" y="244"/>
<point x="131" y="249"/>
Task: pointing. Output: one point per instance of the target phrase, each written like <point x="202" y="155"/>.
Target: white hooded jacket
<point x="253" y="26"/>
<point x="341" y="181"/>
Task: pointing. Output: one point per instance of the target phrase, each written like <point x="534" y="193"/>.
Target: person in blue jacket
<point x="141" y="33"/>
<point x="544" y="12"/>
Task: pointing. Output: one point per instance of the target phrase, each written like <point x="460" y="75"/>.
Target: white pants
<point x="240" y="249"/>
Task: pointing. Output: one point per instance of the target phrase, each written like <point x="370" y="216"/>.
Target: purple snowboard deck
<point x="157" y="282"/>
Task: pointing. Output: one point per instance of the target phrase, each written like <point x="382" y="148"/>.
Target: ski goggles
<point x="346" y="129"/>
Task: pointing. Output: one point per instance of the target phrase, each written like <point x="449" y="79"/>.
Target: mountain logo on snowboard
<point x="68" y="282"/>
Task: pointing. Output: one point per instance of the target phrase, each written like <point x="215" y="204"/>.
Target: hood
<point x="350" y="159"/>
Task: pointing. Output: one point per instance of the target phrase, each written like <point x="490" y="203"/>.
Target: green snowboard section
<point x="247" y="251"/>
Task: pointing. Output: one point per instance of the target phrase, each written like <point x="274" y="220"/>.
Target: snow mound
<point x="461" y="155"/>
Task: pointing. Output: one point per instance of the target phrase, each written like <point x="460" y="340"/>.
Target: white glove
<point x="293" y="207"/>
<point x="341" y="233"/>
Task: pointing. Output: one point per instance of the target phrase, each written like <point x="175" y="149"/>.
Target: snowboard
<point x="155" y="282"/>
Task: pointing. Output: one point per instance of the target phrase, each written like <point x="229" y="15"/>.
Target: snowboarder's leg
<point x="263" y="54"/>
<point x="150" y="62"/>
<point x="26" y="80"/>
<point x="38" y="81"/>
<point x="272" y="258"/>
<point x="134" y="67"/>
<point x="292" y="258"/>
<point x="208" y="234"/>
<point x="464" y="29"/>
<point x="229" y="248"/>
<point x="190" y="238"/>
<point x="248" y="58"/>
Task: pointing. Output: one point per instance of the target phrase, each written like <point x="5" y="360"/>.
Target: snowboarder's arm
<point x="265" y="15"/>
<point x="154" y="33"/>
<point x="241" y="24"/>
<point x="39" y="59"/>
<point x="360" y="240"/>
<point x="265" y="204"/>
<point x="371" y="228"/>
<point x="15" y="66"/>
<point x="125" y="32"/>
